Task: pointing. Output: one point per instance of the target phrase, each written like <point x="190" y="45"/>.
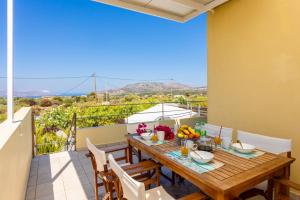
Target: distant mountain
<point x="152" y="87"/>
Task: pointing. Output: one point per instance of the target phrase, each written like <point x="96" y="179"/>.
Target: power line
<point x="79" y="77"/>
<point x="76" y="86"/>
<point x="60" y="77"/>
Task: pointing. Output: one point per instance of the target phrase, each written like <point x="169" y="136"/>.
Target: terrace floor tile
<point x="69" y="176"/>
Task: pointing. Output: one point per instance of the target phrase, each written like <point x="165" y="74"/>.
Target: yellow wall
<point x="254" y="69"/>
<point x="15" y="155"/>
<point x="101" y="135"/>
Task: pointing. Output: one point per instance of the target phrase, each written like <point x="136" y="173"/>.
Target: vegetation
<point x="55" y="114"/>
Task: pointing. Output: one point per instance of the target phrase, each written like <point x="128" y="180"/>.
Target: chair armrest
<point x="288" y="183"/>
<point x="141" y="167"/>
<point x="118" y="148"/>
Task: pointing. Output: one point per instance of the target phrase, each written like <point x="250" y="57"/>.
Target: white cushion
<point x="266" y="143"/>
<point x="213" y="130"/>
<point x="99" y="155"/>
<point x="158" y="193"/>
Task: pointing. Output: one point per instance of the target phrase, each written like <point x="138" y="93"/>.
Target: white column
<point x="10" y="73"/>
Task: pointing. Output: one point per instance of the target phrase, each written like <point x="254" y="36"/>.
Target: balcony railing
<point x="97" y="119"/>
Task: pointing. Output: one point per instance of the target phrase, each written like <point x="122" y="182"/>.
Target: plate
<point x="247" y="148"/>
<point x="146" y="136"/>
<point x="204" y="157"/>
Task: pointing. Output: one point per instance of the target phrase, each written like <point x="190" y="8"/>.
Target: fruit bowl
<point x="186" y="132"/>
<point x="244" y="148"/>
<point x="146" y="136"/>
<point x="201" y="156"/>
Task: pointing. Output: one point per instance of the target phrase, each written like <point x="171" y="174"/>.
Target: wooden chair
<point x="102" y="171"/>
<point x="134" y="190"/>
<point x="213" y="130"/>
<point x="268" y="144"/>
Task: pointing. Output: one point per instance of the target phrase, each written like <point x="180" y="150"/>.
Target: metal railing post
<point x="163" y="111"/>
<point x="33" y="134"/>
<point x="75" y="130"/>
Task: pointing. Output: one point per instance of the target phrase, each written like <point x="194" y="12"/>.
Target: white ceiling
<point x="177" y="10"/>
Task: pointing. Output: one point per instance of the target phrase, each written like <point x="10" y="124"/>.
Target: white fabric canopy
<point x="159" y="112"/>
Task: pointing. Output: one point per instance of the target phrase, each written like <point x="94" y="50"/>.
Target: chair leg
<point x="110" y="188"/>
<point x="157" y="173"/>
<point x="96" y="186"/>
<point x="139" y="155"/>
<point x="173" y="178"/>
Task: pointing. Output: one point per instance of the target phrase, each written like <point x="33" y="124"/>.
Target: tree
<point x="27" y="102"/>
<point x="92" y="95"/>
<point x="45" y="103"/>
<point x="68" y="102"/>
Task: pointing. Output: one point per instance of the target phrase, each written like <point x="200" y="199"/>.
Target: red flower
<point x="169" y="134"/>
<point x="142" y="128"/>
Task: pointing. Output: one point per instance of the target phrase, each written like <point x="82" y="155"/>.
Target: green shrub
<point x="45" y="103"/>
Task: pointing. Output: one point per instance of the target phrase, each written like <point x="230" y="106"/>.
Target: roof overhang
<point x="177" y="10"/>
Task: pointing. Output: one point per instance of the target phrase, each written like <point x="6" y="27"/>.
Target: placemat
<point x="253" y="154"/>
<point x="193" y="165"/>
<point x="148" y="142"/>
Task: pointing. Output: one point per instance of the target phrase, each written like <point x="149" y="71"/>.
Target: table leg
<point x="270" y="190"/>
<point x="286" y="175"/>
<point x="130" y="153"/>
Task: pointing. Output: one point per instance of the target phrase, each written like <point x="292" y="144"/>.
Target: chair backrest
<point x="98" y="155"/>
<point x="213" y="130"/>
<point x="132" y="189"/>
<point x="131" y="128"/>
<point x="266" y="143"/>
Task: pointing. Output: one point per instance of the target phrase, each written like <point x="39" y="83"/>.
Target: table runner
<point x="148" y="142"/>
<point x="254" y="154"/>
<point x="193" y="165"/>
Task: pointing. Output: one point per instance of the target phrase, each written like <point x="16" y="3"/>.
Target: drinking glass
<point x="161" y="135"/>
<point x="226" y="142"/>
<point x="184" y="148"/>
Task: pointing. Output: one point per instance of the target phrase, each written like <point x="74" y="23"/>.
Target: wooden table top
<point x="235" y="176"/>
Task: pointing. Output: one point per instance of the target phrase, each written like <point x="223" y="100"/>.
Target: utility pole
<point x="95" y="86"/>
<point x="171" y="89"/>
<point x="106" y="92"/>
<point x="95" y="82"/>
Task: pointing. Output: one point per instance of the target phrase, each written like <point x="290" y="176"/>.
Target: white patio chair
<point x="101" y="169"/>
<point x="268" y="144"/>
<point x="213" y="131"/>
<point x="134" y="190"/>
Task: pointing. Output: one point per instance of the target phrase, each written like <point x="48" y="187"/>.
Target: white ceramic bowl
<point x="205" y="156"/>
<point x="247" y="148"/>
<point x="146" y="136"/>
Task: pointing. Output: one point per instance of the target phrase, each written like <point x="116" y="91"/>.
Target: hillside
<point x="153" y="87"/>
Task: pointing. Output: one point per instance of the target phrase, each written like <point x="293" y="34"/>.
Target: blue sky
<point x="79" y="37"/>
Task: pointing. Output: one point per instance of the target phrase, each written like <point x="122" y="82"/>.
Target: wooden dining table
<point x="227" y="182"/>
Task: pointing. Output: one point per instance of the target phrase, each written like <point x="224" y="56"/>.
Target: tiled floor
<point x="68" y="175"/>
